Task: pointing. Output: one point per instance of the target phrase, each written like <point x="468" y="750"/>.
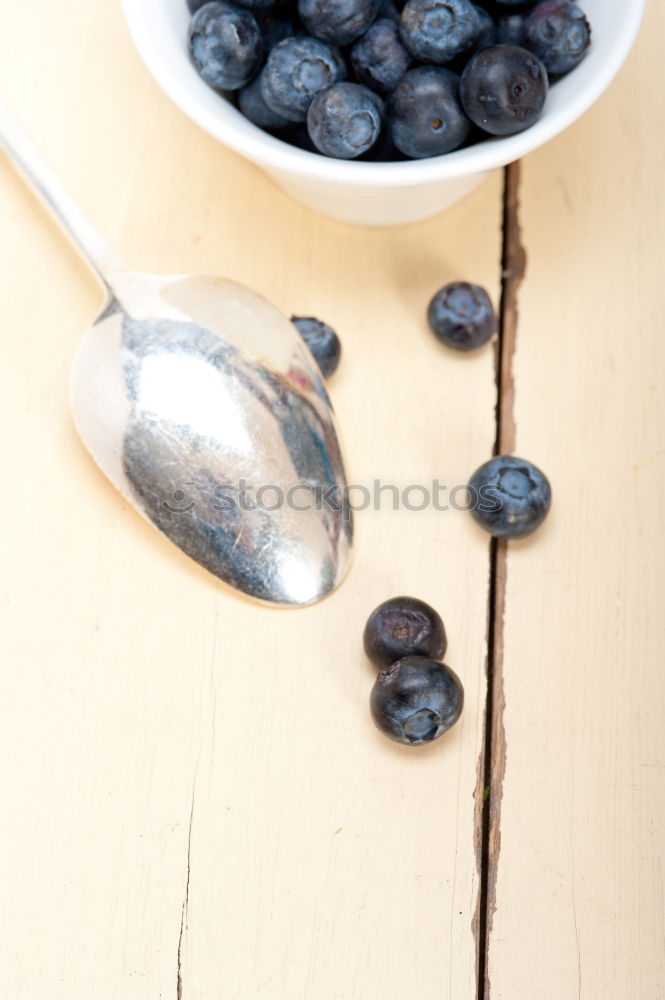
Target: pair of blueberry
<point x="510" y="496"/>
<point x="416" y="698"/>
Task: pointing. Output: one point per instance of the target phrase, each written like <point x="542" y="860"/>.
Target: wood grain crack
<point x="185" y="903"/>
<point x="492" y="762"/>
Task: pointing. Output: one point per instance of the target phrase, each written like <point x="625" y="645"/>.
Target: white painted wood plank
<point x="323" y="861"/>
<point x="580" y="880"/>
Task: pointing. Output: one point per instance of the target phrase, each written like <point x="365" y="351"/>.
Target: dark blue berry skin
<point x="258" y="6"/>
<point x="384" y="151"/>
<point x="297" y="135"/>
<point x="403" y="626"/>
<point x="345" y="120"/>
<point x="461" y="316"/>
<point x="275" y="27"/>
<point x="390" y="10"/>
<point x="510" y="29"/>
<point x="379" y="59"/>
<point x="195" y="5"/>
<point x="338" y="22"/>
<point x="225" y="45"/>
<point x="437" y="31"/>
<point x="559" y="34"/>
<point x="503" y="89"/>
<point x="296" y="71"/>
<point x="512" y="497"/>
<point x="487" y="29"/>
<point x="424" y="115"/>
<point x="253" y="106"/>
<point x="322" y="342"/>
<point x="416" y="700"/>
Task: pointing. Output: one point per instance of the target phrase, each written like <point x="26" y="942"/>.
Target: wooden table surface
<point x="196" y="805"/>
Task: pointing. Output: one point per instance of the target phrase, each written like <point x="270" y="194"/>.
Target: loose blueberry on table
<point x="322" y="341"/>
<point x="511" y="496"/>
<point x="416" y="700"/>
<point x="403" y="626"/>
<point x="281" y="56"/>
<point x="461" y="316"/>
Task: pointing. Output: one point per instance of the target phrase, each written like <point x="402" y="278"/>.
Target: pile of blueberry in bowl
<point x="383" y="79"/>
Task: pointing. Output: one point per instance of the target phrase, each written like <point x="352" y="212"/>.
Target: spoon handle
<point x="15" y="144"/>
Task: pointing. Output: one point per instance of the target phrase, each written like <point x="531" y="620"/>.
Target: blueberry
<point x="225" y="45"/>
<point x="437" y="31"/>
<point x="195" y="5"/>
<point x="415" y="700"/>
<point x="462" y="316"/>
<point x="559" y="34"/>
<point x="487" y="29"/>
<point x="296" y="71"/>
<point x="503" y="89"/>
<point x="275" y="27"/>
<point x="339" y="22"/>
<point x="253" y="106"/>
<point x="389" y="10"/>
<point x="379" y="59"/>
<point x="510" y="29"/>
<point x="511" y="497"/>
<point x="383" y="151"/>
<point x="322" y="341"/>
<point x="424" y="115"/>
<point x="403" y="626"/>
<point x="345" y="120"/>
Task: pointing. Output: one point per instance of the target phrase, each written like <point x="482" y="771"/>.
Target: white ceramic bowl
<point x="375" y="193"/>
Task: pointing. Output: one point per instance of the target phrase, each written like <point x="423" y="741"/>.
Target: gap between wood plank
<point x="493" y="760"/>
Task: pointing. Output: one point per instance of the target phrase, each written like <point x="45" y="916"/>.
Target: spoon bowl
<point x="211" y="418"/>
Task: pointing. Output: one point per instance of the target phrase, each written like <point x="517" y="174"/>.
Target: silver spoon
<point x="200" y="402"/>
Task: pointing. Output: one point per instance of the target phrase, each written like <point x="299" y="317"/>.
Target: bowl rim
<point x="275" y="154"/>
